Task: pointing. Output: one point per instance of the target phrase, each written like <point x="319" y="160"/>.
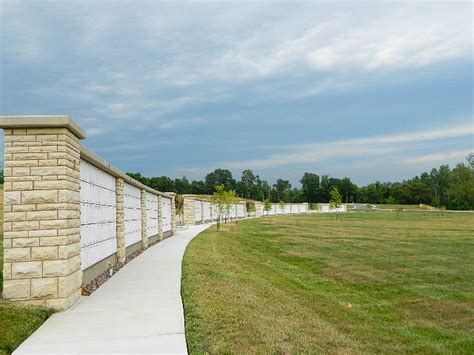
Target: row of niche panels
<point x="98" y="214"/>
<point x="151" y="214"/>
<point x="166" y="210"/>
<point x="197" y="211"/>
<point x="132" y="214"/>
<point x="207" y="210"/>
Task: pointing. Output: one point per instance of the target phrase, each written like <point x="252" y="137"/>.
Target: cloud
<point x="438" y="158"/>
<point x="359" y="147"/>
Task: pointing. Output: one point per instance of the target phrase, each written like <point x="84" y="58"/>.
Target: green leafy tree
<point x="282" y="189"/>
<point x="230" y="199"/>
<point x="282" y="206"/>
<point x="248" y="184"/>
<point x="310" y="186"/>
<point x="219" y="200"/>
<point x="267" y="206"/>
<point x="219" y="177"/>
<point x="335" y="201"/>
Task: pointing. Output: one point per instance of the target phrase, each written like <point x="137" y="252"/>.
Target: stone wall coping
<point x="97" y="161"/>
<point x="197" y="198"/>
<point x="46" y="121"/>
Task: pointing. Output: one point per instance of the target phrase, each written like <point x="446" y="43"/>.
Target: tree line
<point x="441" y="187"/>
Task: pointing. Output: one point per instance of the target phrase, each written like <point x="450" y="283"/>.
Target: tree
<point x="247" y="184"/>
<point x="336" y="200"/>
<point x="282" y="190"/>
<point x="219" y="177"/>
<point x="219" y="200"/>
<point x="310" y="187"/>
<point x="282" y="207"/>
<point x="230" y="199"/>
<point x="267" y="206"/>
<point x="470" y="159"/>
<point x="460" y="194"/>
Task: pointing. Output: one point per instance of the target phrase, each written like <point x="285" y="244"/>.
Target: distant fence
<point x="68" y="214"/>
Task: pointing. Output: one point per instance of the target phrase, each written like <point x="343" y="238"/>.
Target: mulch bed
<point x="88" y="289"/>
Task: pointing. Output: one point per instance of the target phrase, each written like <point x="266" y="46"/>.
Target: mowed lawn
<point x="368" y="282"/>
<point x="16" y="323"/>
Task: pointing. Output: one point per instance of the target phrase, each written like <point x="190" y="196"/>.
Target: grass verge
<point x="369" y="282"/>
<point x="18" y="323"/>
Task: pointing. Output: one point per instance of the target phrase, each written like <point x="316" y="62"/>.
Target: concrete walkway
<point x="139" y="310"/>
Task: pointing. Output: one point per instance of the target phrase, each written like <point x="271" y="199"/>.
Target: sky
<point x="368" y="90"/>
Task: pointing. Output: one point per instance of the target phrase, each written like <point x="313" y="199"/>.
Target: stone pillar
<point x="188" y="211"/>
<point x="144" y="220"/>
<point x="120" y="220"/>
<point x="258" y="209"/>
<point x="307" y="207"/>
<point x="173" y="212"/>
<point x="42" y="211"/>
<point x="160" y="218"/>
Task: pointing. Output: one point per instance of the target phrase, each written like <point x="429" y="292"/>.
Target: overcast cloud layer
<point x="373" y="91"/>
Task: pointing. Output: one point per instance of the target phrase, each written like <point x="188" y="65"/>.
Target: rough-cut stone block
<point x="56" y="268"/>
<point x="44" y="288"/>
<point x="16" y="289"/>
<point x="46" y="137"/>
<point x="16" y="150"/>
<point x="7" y="243"/>
<point x="42" y="149"/>
<point x="69" y="284"/>
<point x="42" y="215"/>
<point x="43" y="170"/>
<point x="59" y="223"/>
<point x="16" y="254"/>
<point x="25" y="226"/>
<point x="43" y="233"/>
<point x="14" y="234"/>
<point x="69" y="214"/>
<point x="21" y="163"/>
<point x="25" y="242"/>
<point x="30" y="156"/>
<point x="50" y="241"/>
<point x="22" y="185"/>
<point x="69" y="196"/>
<point x="48" y="162"/>
<point x="26" y="270"/>
<point x="44" y="253"/>
<point x="12" y="197"/>
<point x="7" y="271"/>
<point x="61" y="267"/>
<point x="54" y="184"/>
<point x="41" y="196"/>
<point x="76" y="231"/>
<point x="62" y="304"/>
<point x="23" y="208"/>
<point x="14" y="216"/>
<point x="68" y="251"/>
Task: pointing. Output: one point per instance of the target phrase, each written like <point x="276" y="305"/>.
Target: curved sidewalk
<point x="139" y="310"/>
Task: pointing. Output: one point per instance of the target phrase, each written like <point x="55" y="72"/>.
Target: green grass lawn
<point x="16" y="323"/>
<point x="369" y="282"/>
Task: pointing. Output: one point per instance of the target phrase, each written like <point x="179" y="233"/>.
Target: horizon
<point x="372" y="92"/>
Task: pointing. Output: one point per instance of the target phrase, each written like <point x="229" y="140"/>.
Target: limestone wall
<point x="55" y="218"/>
<point x="197" y="210"/>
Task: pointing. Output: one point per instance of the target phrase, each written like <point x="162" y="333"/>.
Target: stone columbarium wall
<point x="198" y="210"/>
<point x="68" y="214"/>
